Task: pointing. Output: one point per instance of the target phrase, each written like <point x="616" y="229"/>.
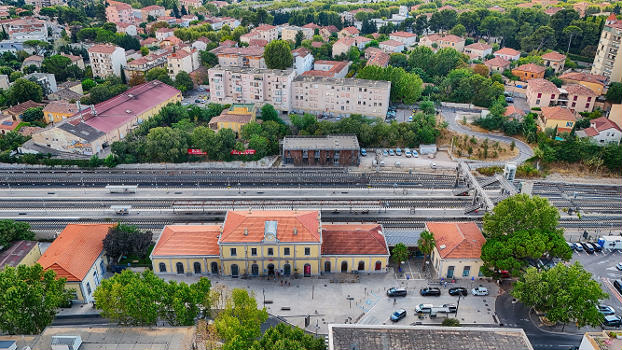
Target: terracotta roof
<point x="301" y="51"/>
<point x="264" y="27"/>
<point x="228" y="43"/>
<point x="512" y="110"/>
<point x="580" y="76"/>
<point x="553" y="56"/>
<point x="403" y="34"/>
<point x="16" y="252"/>
<point x="457" y="240"/>
<point x="232" y="117"/>
<point x="578" y="89"/>
<point x="316" y="44"/>
<point x="345" y="41"/>
<point x="188" y="240"/>
<point x="448" y="37"/>
<point x="590" y="132"/>
<point x="34" y="58"/>
<point x="393" y="43"/>
<point x="102" y="48"/>
<point x="380" y="59"/>
<point x="478" y="46"/>
<point x="530" y="68"/>
<point x="152" y="7"/>
<point x="331" y="28"/>
<point x="292" y="226"/>
<point x="497" y="62"/>
<point x="541" y="85"/>
<point x="508" y="51"/>
<point x="558" y="113"/>
<point x="602" y="124"/>
<point x="22" y="107"/>
<point x="60" y="107"/>
<point x="8" y="124"/>
<point x="311" y="26"/>
<point x="363" y="239"/>
<point x="552" y="10"/>
<point x="74" y="251"/>
<point x="242" y="51"/>
<point x="165" y="30"/>
<point x="72" y="57"/>
<point x="350" y="30"/>
<point x="257" y="43"/>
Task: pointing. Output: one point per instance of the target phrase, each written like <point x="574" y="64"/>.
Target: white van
<point x="423" y="308"/>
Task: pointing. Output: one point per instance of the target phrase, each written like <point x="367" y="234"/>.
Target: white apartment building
<point x="340" y="97"/>
<point x="106" y="60"/>
<point x="251" y="85"/>
<point x="185" y="59"/>
<point x="408" y="39"/>
<point x="608" y="60"/>
<point x="303" y="60"/>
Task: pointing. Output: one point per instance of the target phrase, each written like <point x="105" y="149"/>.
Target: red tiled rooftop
<point x="103" y="48"/>
<point x="497" y="62"/>
<point x="579" y="90"/>
<point x="188" y="240"/>
<point x="558" y="113"/>
<point x="301" y="51"/>
<point x="357" y="239"/>
<point x="478" y="46"/>
<point x="393" y="43"/>
<point x="18" y="109"/>
<point x="350" y="30"/>
<point x="602" y="124"/>
<point x="508" y="51"/>
<point x="530" y="68"/>
<point x="542" y="85"/>
<point x="553" y="56"/>
<point x="403" y="34"/>
<point x="292" y="226"/>
<point x="457" y="240"/>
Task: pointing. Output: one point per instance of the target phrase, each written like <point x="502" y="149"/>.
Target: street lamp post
<point x="458" y="305"/>
<point x="263" y="291"/>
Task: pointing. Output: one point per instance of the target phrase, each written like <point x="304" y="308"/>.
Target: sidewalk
<point x="569" y="328"/>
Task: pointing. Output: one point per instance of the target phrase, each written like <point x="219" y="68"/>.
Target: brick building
<point x="331" y="150"/>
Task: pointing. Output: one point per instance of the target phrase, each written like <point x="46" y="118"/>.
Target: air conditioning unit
<point x="66" y="342"/>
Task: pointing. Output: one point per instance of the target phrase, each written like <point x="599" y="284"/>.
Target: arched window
<point x="162" y="267"/>
<point x="180" y="268"/>
<point x="197" y="268"/>
<point x="361" y="266"/>
<point x="214" y="268"/>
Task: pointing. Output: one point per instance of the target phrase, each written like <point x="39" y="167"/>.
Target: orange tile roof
<point x="558" y="113"/>
<point x="178" y="240"/>
<point x="364" y="239"/>
<point x="507" y="51"/>
<point x="478" y="46"/>
<point x="579" y="90"/>
<point x="103" y="48"/>
<point x="74" y="251"/>
<point x="457" y="240"/>
<point x="580" y="76"/>
<point x="541" y="85"/>
<point x="530" y="68"/>
<point x="512" y="110"/>
<point x="403" y="34"/>
<point x="350" y="30"/>
<point x="497" y="62"/>
<point x="292" y="226"/>
<point x="553" y="56"/>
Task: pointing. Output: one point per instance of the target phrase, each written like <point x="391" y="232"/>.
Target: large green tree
<point x="239" y="323"/>
<point x="285" y="337"/>
<point x="183" y="82"/>
<point x="160" y="74"/>
<point x="564" y="293"/>
<point x="11" y="231"/>
<point x="521" y="212"/>
<point x="166" y="144"/>
<point x="23" y="90"/>
<point x="277" y="55"/>
<point x="399" y="253"/>
<point x="126" y="239"/>
<point x="614" y="93"/>
<point x="29" y="298"/>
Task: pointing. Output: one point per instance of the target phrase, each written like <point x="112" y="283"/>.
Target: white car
<point x="479" y="291"/>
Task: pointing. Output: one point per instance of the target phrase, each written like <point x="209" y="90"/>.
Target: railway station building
<point x="330" y="150"/>
<point x="270" y="242"/>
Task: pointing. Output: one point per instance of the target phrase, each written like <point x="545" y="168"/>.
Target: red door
<point x="378" y="265"/>
<point x="307" y="270"/>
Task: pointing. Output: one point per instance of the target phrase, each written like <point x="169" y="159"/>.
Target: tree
<point x="421" y="24"/>
<point x="88" y="84"/>
<point x="521" y="212"/>
<point x="126" y="240"/>
<point x="543" y="37"/>
<point x="458" y="30"/>
<point x="399" y="253"/>
<point x="269" y="113"/>
<point x="29" y="298"/>
<point x="160" y="74"/>
<point x="451" y="322"/>
<point x="571" y="32"/>
<point x="426" y="244"/>
<point x="614" y="93"/>
<point x="33" y="114"/>
<point x="165" y="144"/>
<point x="564" y="293"/>
<point x="300" y="36"/>
<point x="23" y="90"/>
<point x="208" y="59"/>
<point x="144" y="51"/>
<point x="183" y="81"/>
<point x="11" y="231"/>
<point x="136" y="79"/>
<point x="277" y="55"/>
<point x="239" y="323"/>
<point x="285" y="337"/>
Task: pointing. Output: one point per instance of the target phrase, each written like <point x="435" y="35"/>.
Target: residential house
<point x="331" y="69"/>
<point x="360" y="42"/>
<point x="141" y="65"/>
<point x="251" y="85"/>
<point x="89" y="132"/>
<point x="265" y="31"/>
<point x="513" y="113"/>
<point x="106" y="60"/>
<point x="390" y="46"/>
<point x="33" y="60"/>
<point x="269" y="243"/>
<point x="289" y="33"/>
<point x="340" y="97"/>
<point x="154" y="11"/>
<point x="529" y="71"/>
<point x="348" y="32"/>
<point x="380" y="59"/>
<point x="303" y="60"/>
<point x="47" y="82"/>
<point x="57" y="111"/>
<point x="457" y="251"/>
<point x="201" y="43"/>
<point x="234" y="118"/>
<point x="608" y="60"/>
<point x="557" y="117"/>
<point x="183" y="60"/>
<point x="555" y="60"/>
<point x="70" y="91"/>
<point x="7" y="125"/>
<point x="83" y="268"/>
<point x="478" y="50"/>
<point x="541" y="93"/>
<point x="251" y="56"/>
<point x="408" y="39"/>
<point x="119" y="12"/>
<point x="577" y="98"/>
<point x="163" y="33"/>
<point x="127" y="28"/>
<point x="15" y="112"/>
<point x="596" y="83"/>
<point x="342" y="46"/>
<point x="602" y="131"/>
<point x="507" y="54"/>
<point x="439" y="41"/>
<point x="330" y="150"/>
<point x="77" y="60"/>
<point x="20" y="253"/>
<point x="497" y="64"/>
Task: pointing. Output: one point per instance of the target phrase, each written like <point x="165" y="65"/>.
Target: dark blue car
<point x="398" y="315"/>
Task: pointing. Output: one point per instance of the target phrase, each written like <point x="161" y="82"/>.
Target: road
<point x="525" y="152"/>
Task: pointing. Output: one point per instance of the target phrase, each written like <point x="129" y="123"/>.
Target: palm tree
<point x="426" y="244"/>
<point x="538" y="154"/>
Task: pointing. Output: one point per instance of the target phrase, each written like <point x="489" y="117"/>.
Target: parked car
<point x="408" y="153"/>
<point x="415" y="154"/>
<point x="612" y="321"/>
<point x="385" y="153"/>
<point x="597" y="247"/>
<point x="410" y="118"/>
<point x="606" y="310"/>
<point x="398" y="151"/>
<point x="396" y="292"/>
<point x="398" y="315"/>
<point x="457" y="291"/>
<point x="619" y="266"/>
<point x="481" y="291"/>
<point x="423" y="308"/>
<point x="433" y="165"/>
<point x="391" y="152"/>
<point x="363" y="152"/>
<point x="618" y="285"/>
<point x="588" y="247"/>
<point x="570" y="245"/>
<point x="451" y="307"/>
<point x="509" y="99"/>
<point x="430" y="292"/>
<point x="578" y="247"/>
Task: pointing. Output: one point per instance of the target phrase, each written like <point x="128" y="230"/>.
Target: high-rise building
<point x="608" y="60"/>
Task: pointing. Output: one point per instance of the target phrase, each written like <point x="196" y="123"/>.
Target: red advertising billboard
<point x="243" y="153"/>
<point x="196" y="152"/>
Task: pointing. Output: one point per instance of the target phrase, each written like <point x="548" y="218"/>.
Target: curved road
<point x="525" y="152"/>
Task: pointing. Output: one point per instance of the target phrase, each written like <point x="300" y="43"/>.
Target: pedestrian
<point x="394" y="301"/>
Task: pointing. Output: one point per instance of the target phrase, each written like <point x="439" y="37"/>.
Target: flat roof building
<point x="337" y="150"/>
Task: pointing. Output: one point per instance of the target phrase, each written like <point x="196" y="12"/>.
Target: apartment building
<point x="555" y="60"/>
<point x="408" y="39"/>
<point x="330" y="69"/>
<point x="303" y="60"/>
<point x="106" y="60"/>
<point x="289" y="33"/>
<point x="183" y="60"/>
<point x="577" y="98"/>
<point x="251" y="85"/>
<point x="595" y="83"/>
<point x="27" y="28"/>
<point x="265" y="31"/>
<point x="608" y="60"/>
<point x="119" y="12"/>
<point x="251" y="56"/>
<point x="154" y="11"/>
<point x="439" y="41"/>
<point x="541" y="93"/>
<point x="141" y="65"/>
<point x="340" y="97"/>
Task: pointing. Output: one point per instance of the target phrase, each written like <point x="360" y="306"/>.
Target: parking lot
<point x="441" y="159"/>
<point x="602" y="266"/>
